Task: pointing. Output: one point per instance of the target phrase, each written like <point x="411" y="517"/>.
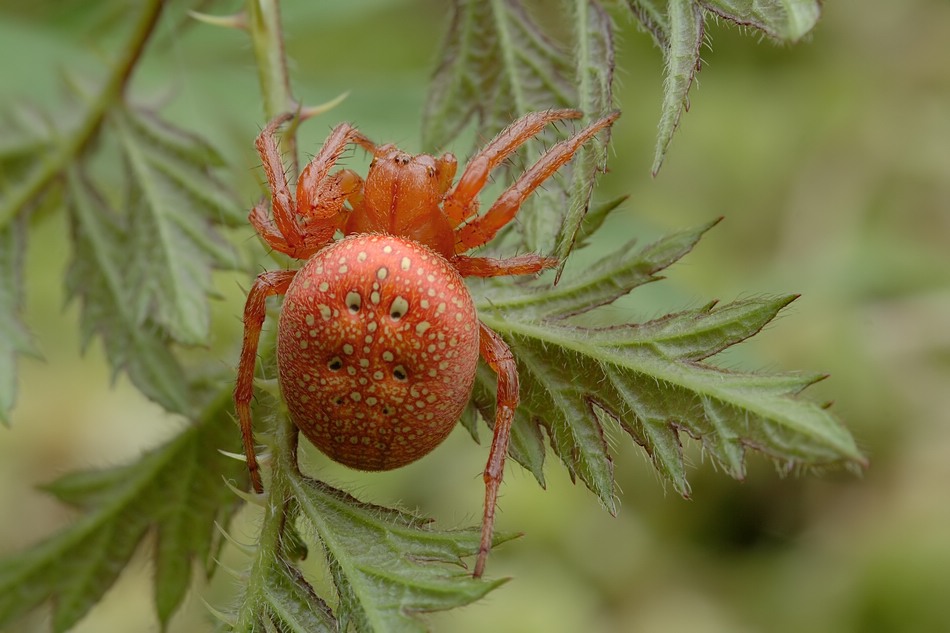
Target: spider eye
<point x="335" y="364"/>
<point x="399" y="373"/>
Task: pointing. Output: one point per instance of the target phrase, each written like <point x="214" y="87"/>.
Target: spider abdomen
<point x="377" y="350"/>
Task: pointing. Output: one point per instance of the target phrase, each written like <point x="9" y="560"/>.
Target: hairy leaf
<point x="289" y="603"/>
<point x="595" y="68"/>
<point x="652" y="17"/>
<point x="14" y="337"/>
<point x="98" y="276"/>
<point x="277" y="596"/>
<point x="173" y="204"/>
<point x="785" y="20"/>
<point x="23" y="139"/>
<point x="388" y="566"/>
<point x="174" y="491"/>
<point x="600" y="283"/>
<point x="498" y="64"/>
<point x="677" y="28"/>
<point x="650" y="378"/>
<point x="682" y="63"/>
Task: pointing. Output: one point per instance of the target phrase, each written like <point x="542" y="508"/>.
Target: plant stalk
<point x="54" y="163"/>
<point x="267" y="38"/>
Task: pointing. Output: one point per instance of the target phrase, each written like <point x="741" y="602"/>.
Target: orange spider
<point x="378" y="337"/>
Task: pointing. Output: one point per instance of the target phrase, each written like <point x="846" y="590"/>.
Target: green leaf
<point x="682" y="63"/>
<point x="15" y="339"/>
<point x="278" y="597"/>
<point x="595" y="68"/>
<point x="652" y="17"/>
<point x="678" y="30"/>
<point x="650" y="379"/>
<point x="388" y="566"/>
<point x="174" y="491"/>
<point x="24" y="136"/>
<point x="595" y="218"/>
<point x="174" y="203"/>
<point x="598" y="284"/>
<point x="498" y="64"/>
<point x="289" y="602"/>
<point x="97" y="275"/>
<point x="785" y="20"/>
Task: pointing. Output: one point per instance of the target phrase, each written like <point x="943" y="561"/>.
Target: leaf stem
<point x="267" y="38"/>
<point x="55" y="162"/>
<point x="277" y="512"/>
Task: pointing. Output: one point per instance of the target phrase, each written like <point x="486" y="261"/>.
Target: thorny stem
<point x="267" y="37"/>
<point x="55" y="162"/>
<point x="278" y="510"/>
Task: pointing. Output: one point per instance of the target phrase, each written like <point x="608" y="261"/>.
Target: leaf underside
<point x="174" y="492"/>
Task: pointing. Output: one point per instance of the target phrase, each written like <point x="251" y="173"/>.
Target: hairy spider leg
<point x="267" y="284"/>
<point x="490" y="267"/>
<point x="283" y="205"/>
<point x="263" y="222"/>
<point x="461" y="203"/>
<point x="483" y="228"/>
<point x="320" y="195"/>
<point x="498" y="356"/>
<point x="309" y="223"/>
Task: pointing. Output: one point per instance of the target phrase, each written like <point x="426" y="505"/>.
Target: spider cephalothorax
<point x="378" y="337"/>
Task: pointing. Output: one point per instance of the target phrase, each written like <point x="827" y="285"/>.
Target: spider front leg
<point x="285" y="223"/>
<point x="498" y="356"/>
<point x="461" y="203"/>
<point x="267" y="284"/>
<point x="319" y="197"/>
<point x="483" y="228"/>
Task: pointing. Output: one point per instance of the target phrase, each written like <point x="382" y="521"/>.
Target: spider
<point x="378" y="337"/>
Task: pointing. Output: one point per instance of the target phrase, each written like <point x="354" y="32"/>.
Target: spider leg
<point x="309" y="223"/>
<point x="460" y="203"/>
<point x="322" y="210"/>
<point x="319" y="196"/>
<point x="263" y="223"/>
<point x="281" y="202"/>
<point x="498" y="356"/>
<point x="490" y="267"/>
<point x="483" y="228"/>
<point x="267" y="284"/>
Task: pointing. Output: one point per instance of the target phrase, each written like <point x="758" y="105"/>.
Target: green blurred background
<point x="831" y="163"/>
